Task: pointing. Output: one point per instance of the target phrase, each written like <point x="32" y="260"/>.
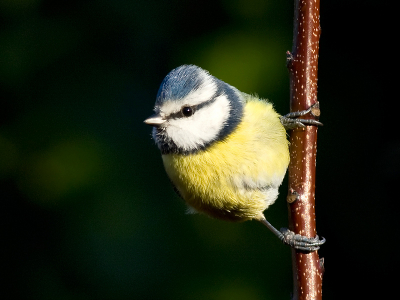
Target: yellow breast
<point x="236" y="178"/>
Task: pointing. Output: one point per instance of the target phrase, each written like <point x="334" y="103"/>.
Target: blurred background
<point x="86" y="208"/>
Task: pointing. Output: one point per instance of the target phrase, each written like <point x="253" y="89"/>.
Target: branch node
<point x="315" y="111"/>
<point x="322" y="265"/>
<point x="289" y="59"/>
<point x="292" y="196"/>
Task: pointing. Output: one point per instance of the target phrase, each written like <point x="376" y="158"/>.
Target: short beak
<point x="155" y="120"/>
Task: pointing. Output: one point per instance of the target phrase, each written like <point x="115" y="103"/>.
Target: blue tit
<point x="225" y="152"/>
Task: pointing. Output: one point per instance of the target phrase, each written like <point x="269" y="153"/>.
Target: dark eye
<point x="187" y="111"/>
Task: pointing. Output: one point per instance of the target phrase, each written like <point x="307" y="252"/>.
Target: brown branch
<point x="303" y="68"/>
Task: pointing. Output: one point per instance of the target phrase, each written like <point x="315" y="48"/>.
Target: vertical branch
<point x="303" y="68"/>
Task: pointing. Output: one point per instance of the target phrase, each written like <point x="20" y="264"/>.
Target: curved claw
<point x="301" y="242"/>
<point x="290" y="121"/>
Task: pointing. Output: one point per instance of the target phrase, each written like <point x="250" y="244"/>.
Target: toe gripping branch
<point x="291" y="121"/>
<point x="296" y="241"/>
<point x="300" y="242"/>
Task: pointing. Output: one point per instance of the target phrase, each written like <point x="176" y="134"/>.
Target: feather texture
<point x="235" y="178"/>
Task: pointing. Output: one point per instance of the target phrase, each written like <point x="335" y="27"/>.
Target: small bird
<point x="225" y="152"/>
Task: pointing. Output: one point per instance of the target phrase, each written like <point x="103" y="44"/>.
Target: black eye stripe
<point x="179" y="114"/>
<point x="207" y="103"/>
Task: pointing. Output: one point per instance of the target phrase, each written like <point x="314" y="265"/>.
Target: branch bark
<point x="303" y="69"/>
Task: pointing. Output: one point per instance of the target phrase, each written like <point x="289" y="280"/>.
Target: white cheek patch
<point x="204" y="93"/>
<point x="202" y="127"/>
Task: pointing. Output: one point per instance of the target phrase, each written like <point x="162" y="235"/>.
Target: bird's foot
<point x="300" y="242"/>
<point x="290" y="121"/>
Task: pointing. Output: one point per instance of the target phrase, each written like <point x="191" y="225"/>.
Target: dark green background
<point x="87" y="211"/>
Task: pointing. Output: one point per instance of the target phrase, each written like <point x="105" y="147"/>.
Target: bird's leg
<point x="297" y="241"/>
<point x="290" y="121"/>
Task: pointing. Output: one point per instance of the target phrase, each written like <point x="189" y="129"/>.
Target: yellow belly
<point x="235" y="178"/>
